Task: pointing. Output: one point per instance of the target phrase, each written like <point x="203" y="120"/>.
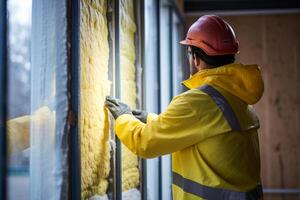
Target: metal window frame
<point x="160" y="176"/>
<point x="73" y="29"/>
<point x="185" y="70"/>
<point x="117" y="158"/>
<point x="111" y="76"/>
<point x="139" y="6"/>
<point x="278" y="191"/>
<point x="172" y="8"/>
<point x="165" y="18"/>
<point x="153" y="101"/>
<point x="3" y="98"/>
<point x="117" y="194"/>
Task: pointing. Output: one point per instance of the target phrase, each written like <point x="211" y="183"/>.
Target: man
<point x="211" y="130"/>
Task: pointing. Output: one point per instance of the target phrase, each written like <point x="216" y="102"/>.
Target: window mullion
<point x="3" y="97"/>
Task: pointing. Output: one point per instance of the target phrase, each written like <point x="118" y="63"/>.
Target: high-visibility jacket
<point x="211" y="131"/>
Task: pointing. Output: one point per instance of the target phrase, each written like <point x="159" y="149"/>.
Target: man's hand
<point x="141" y="115"/>
<point x="116" y="107"/>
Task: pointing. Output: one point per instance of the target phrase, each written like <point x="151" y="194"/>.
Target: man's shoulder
<point x="194" y="96"/>
<point x="195" y="100"/>
<point x="193" y="93"/>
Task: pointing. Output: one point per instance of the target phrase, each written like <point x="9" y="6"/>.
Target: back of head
<point x="214" y="61"/>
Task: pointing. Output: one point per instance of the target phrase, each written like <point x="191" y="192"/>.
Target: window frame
<point x="170" y="8"/>
<point x="73" y="37"/>
<point x="73" y="157"/>
<point x="3" y="98"/>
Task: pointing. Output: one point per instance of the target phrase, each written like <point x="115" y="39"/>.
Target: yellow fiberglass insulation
<point x="130" y="171"/>
<point x="94" y="123"/>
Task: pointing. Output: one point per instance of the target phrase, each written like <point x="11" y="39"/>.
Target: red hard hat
<point x="213" y="35"/>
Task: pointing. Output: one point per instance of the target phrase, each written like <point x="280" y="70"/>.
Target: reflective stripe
<point x="224" y="106"/>
<point x="211" y="193"/>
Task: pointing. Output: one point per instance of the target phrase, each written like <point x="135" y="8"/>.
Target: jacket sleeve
<point x="168" y="132"/>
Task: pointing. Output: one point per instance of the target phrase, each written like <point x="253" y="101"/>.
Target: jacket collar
<point x="198" y="79"/>
<point x="243" y="81"/>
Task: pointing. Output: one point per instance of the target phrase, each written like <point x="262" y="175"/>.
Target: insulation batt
<point x="94" y="123"/>
<point x="130" y="171"/>
<point x="132" y="194"/>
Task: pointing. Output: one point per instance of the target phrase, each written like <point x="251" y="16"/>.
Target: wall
<point x="272" y="41"/>
<point x="95" y="85"/>
<point x="180" y="5"/>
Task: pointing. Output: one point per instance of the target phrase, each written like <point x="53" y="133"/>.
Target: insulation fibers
<point x="94" y="123"/>
<point x="131" y="194"/>
<point x="130" y="172"/>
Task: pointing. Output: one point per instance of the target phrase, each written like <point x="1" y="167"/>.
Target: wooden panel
<point x="179" y="4"/>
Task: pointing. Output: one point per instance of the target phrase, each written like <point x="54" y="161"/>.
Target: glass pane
<point x="19" y="35"/>
<point x="49" y="102"/>
<point x="151" y="86"/>
<point x="37" y="104"/>
<point x="151" y="58"/>
<point x="166" y="86"/>
<point x="178" y="69"/>
<point x="165" y="54"/>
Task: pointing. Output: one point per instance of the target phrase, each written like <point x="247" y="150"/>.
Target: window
<point x="163" y="73"/>
<point x="152" y="85"/>
<point x="37" y="100"/>
<point x="180" y="67"/>
<point x="46" y="80"/>
<point x="19" y="68"/>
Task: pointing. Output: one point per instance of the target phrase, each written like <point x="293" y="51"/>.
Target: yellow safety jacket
<point x="211" y="131"/>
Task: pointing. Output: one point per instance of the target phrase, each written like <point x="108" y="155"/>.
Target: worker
<point x="211" y="129"/>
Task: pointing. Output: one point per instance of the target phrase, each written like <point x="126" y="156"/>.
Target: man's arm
<point x="168" y="132"/>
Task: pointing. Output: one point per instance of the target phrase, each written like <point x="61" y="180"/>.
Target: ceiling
<point x="201" y="6"/>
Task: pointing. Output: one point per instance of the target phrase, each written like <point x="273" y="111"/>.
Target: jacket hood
<point x="242" y="81"/>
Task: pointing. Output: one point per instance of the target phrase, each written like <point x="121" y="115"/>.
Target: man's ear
<point x="196" y="60"/>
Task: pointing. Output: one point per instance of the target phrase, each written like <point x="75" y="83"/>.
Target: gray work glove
<point x="116" y="107"/>
<point x="140" y="115"/>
